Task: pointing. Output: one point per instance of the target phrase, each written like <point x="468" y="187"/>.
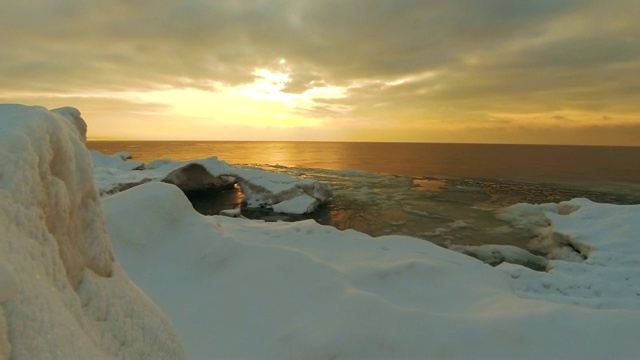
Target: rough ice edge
<point x="279" y="192"/>
<point x="62" y="295"/>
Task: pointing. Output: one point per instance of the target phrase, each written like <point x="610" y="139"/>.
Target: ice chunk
<point x="300" y="204"/>
<point x="234" y="213"/>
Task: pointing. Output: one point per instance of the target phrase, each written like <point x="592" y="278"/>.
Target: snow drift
<point x="62" y="295"/>
<point x="236" y="288"/>
<point x="279" y="192"/>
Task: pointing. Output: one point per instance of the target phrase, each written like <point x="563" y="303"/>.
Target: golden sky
<point x="498" y="71"/>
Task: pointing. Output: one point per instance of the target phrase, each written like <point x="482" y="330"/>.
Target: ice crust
<point x="237" y="288"/>
<point x="279" y="192"/>
<point x="62" y="295"/>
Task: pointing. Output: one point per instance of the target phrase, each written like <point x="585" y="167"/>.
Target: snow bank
<point x="279" y="192"/>
<point x="62" y="295"/>
<point x="596" y="248"/>
<point x="236" y="288"/>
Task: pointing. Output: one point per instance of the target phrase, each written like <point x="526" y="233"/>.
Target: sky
<point x="491" y="71"/>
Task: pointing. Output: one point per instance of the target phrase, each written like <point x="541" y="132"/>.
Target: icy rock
<point x="194" y="178"/>
<point x="264" y="189"/>
<point x="62" y="295"/>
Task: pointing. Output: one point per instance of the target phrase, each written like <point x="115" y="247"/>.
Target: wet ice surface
<point x="444" y="211"/>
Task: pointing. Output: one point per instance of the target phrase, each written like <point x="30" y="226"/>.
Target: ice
<point x="236" y="288"/>
<point x="119" y="161"/>
<point x="595" y="252"/>
<point x="73" y="116"/>
<point x="234" y="213"/>
<point x="497" y="254"/>
<point x="62" y="295"/>
<point x="300" y="204"/>
<point x="279" y="192"/>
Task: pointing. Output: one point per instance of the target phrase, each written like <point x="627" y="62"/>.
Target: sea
<point x="448" y="194"/>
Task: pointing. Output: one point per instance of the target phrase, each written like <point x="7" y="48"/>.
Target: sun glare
<point x="267" y="85"/>
<point x="261" y="103"/>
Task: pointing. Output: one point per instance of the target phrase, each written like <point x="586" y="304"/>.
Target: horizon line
<point x="356" y="141"/>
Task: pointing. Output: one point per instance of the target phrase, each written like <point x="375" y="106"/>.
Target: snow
<point x="62" y="295"/>
<point x="118" y="161"/>
<point x="497" y="254"/>
<point x="300" y="204"/>
<point x="279" y="192"/>
<point x="595" y="250"/>
<point x="236" y="288"/>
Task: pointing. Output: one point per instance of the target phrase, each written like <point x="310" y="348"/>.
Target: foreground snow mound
<point x="237" y="288"/>
<point x="596" y="252"/>
<point x="62" y="296"/>
<point x="279" y="192"/>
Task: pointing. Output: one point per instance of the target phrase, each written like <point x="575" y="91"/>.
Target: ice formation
<point x="62" y="295"/>
<point x="279" y="192"/>
<point x="595" y="252"/>
<point x="236" y="288"/>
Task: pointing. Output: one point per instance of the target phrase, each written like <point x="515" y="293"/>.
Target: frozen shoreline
<point x="304" y="289"/>
<point x="261" y="189"/>
<point x="242" y="288"/>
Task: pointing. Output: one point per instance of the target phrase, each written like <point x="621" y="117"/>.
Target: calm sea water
<point x="445" y="193"/>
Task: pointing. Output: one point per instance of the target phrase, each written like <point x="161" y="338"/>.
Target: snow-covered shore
<point x="241" y="288"/>
<point x="236" y="288"/>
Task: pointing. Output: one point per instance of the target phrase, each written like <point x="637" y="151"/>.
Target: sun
<point x="267" y="85"/>
<point x="260" y="106"/>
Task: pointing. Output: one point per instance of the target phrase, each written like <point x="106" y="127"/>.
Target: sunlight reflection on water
<point x="445" y="193"/>
<point x="451" y="211"/>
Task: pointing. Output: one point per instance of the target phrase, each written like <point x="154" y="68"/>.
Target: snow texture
<point x="596" y="252"/>
<point x="279" y="192"/>
<point x="62" y="295"/>
<point x="237" y="288"/>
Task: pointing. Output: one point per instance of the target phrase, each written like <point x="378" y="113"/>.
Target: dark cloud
<point x="222" y="39"/>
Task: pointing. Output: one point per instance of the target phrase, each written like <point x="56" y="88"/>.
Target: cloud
<point x="482" y="59"/>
